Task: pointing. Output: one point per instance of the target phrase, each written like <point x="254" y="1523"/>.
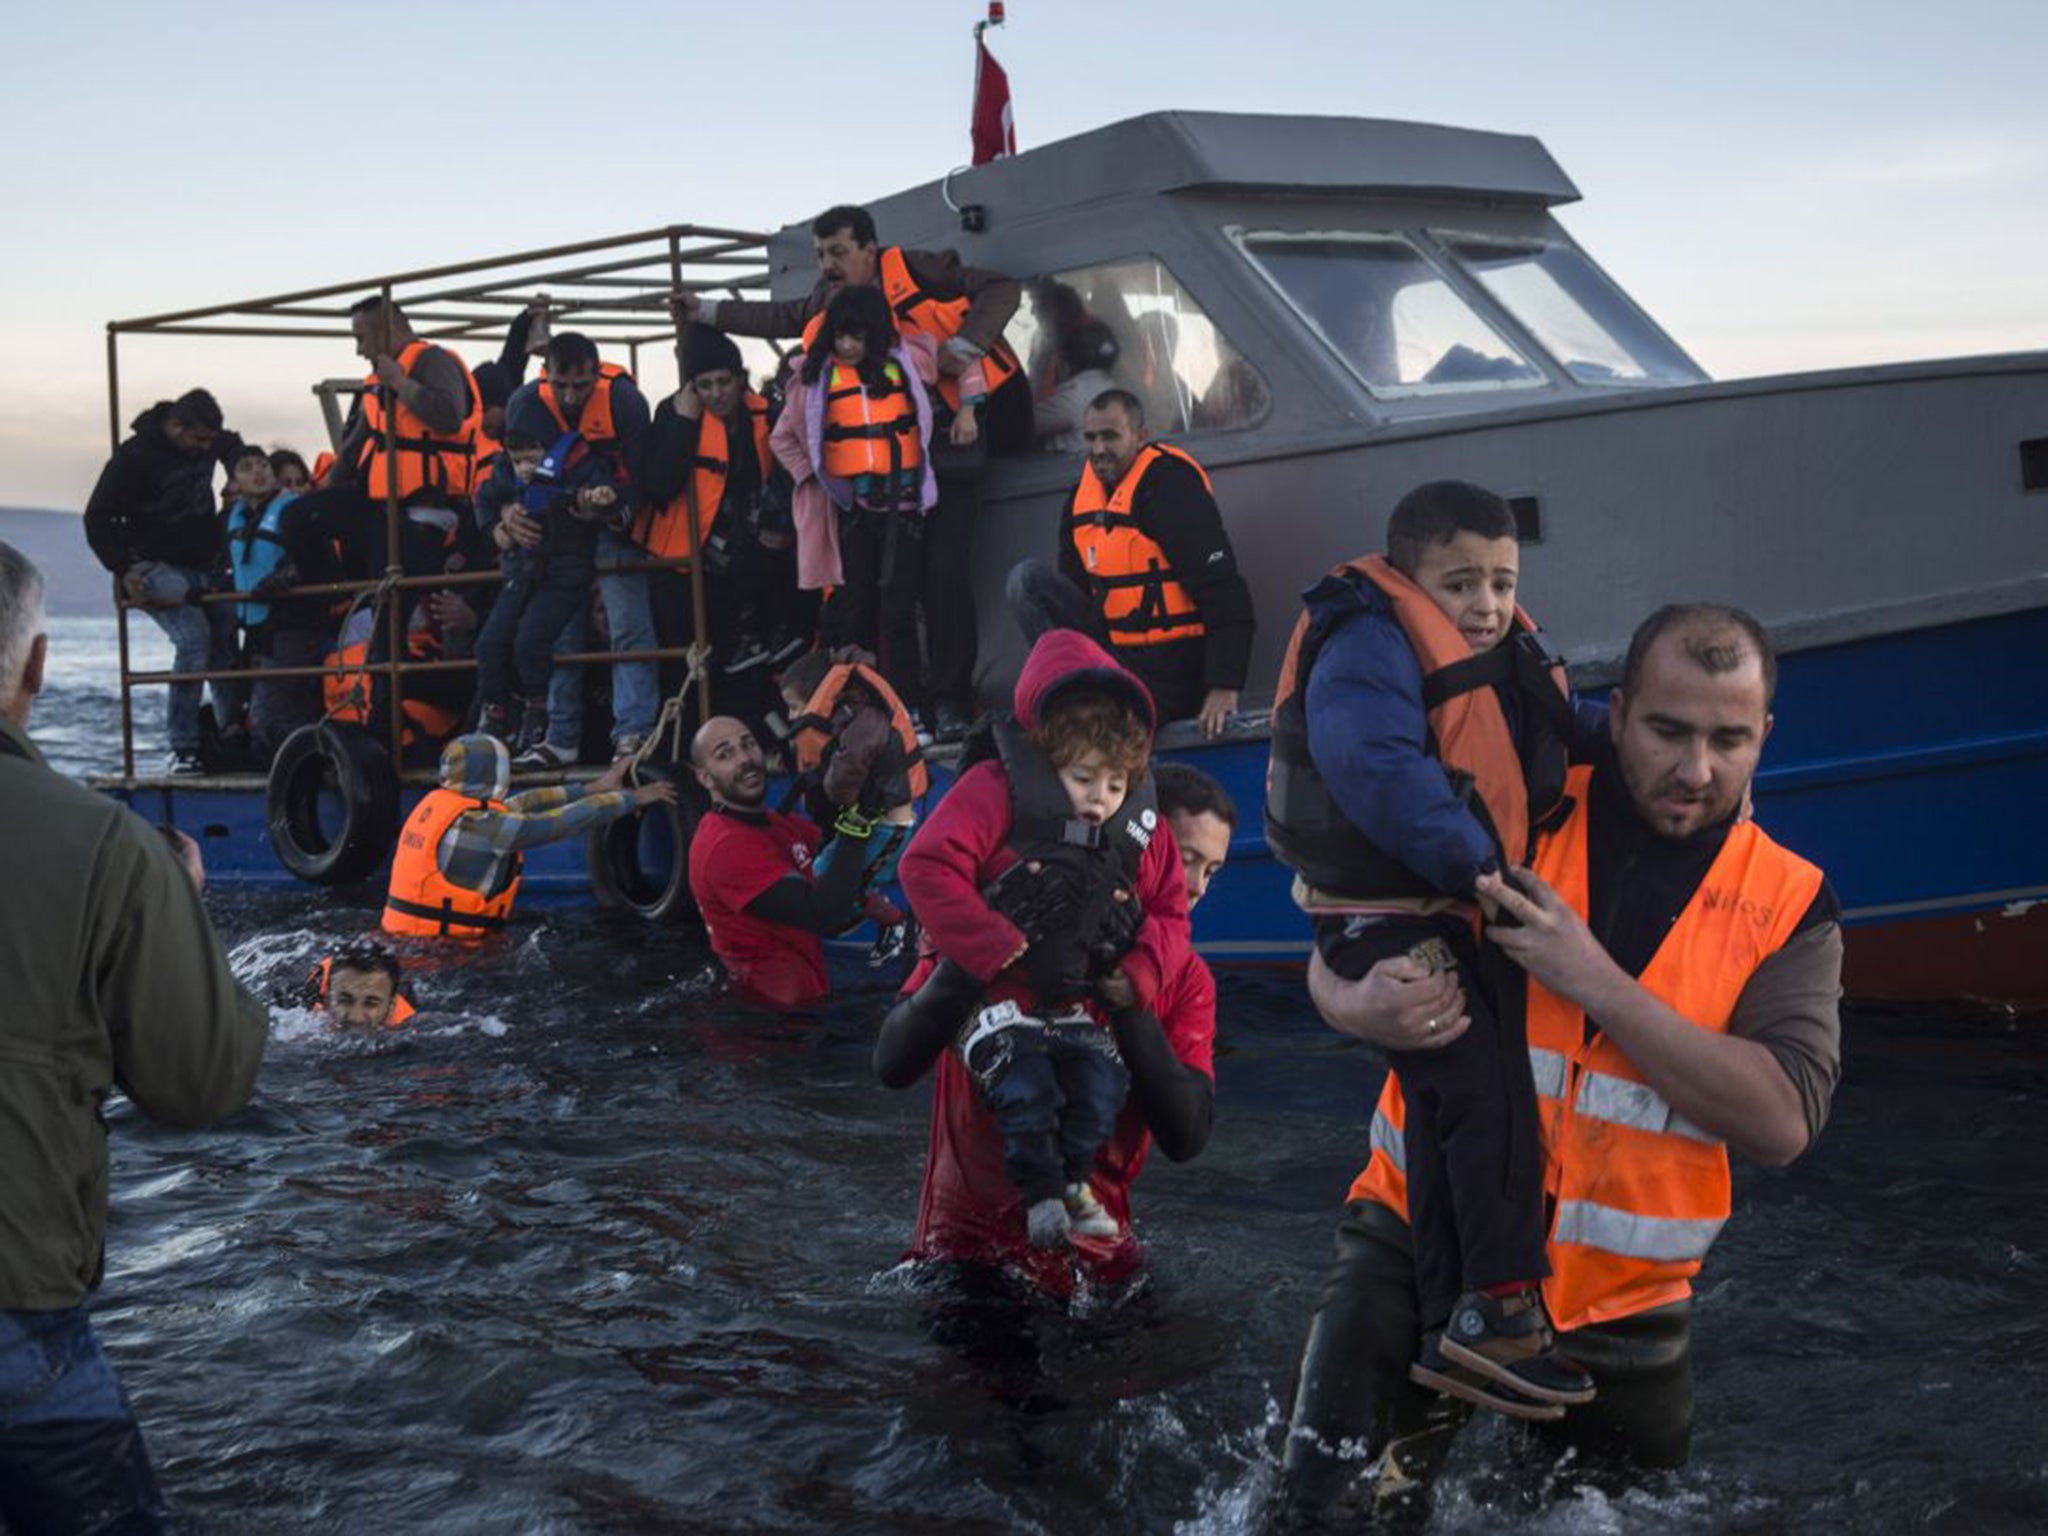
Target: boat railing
<point x="625" y="298"/>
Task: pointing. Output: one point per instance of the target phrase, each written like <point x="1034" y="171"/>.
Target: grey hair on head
<point x="21" y="612"/>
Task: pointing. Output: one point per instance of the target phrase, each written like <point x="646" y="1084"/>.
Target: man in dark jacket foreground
<point x="153" y="522"/>
<point x="115" y="979"/>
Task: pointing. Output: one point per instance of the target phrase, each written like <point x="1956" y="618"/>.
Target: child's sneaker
<point x="1508" y="1339"/>
<point x="890" y="943"/>
<point x="1048" y="1223"/>
<point x="626" y="745"/>
<point x="1086" y="1216"/>
<point x="1432" y="1370"/>
<point x="533" y="730"/>
<point x="495" y="720"/>
<point x="748" y="653"/>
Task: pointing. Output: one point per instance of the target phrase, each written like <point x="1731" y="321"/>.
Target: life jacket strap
<point x="445" y="915"/>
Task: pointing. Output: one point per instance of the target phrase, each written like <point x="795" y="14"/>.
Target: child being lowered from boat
<point x="1420" y="736"/>
<point x="859" y="757"/>
<point x="1047" y="886"/>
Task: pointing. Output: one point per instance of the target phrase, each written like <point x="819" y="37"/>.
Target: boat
<point x="1328" y="311"/>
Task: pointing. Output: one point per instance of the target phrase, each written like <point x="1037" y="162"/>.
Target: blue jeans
<point x="71" y="1453"/>
<point x="1056" y="1103"/>
<point x="539" y="602"/>
<point x="202" y="637"/>
<point x="636" y="685"/>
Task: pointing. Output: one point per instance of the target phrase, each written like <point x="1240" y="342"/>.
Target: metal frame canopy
<point x="616" y="290"/>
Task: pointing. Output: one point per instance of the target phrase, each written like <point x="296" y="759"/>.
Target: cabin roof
<point x="1257" y="152"/>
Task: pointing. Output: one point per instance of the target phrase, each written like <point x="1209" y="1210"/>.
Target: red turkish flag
<point x="993" y="132"/>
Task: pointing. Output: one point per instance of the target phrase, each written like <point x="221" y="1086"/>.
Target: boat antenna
<point x="973" y="216"/>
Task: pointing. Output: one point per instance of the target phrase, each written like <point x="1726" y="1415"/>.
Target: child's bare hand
<point x="966" y="430"/>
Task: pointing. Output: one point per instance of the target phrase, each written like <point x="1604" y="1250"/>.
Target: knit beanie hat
<point x="706" y="350"/>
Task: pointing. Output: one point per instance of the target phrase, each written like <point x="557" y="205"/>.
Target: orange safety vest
<point x="427" y="460"/>
<point x="402" y="1009"/>
<point x="424" y="902"/>
<point x="914" y="309"/>
<point x="869" y="434"/>
<point x="1127" y="570"/>
<point x="1637" y="1193"/>
<point x="665" y="534"/>
<point x="346" y="688"/>
<point x="486" y="458"/>
<point x="595" y="424"/>
<point x="1468" y="734"/>
<point x="812" y="730"/>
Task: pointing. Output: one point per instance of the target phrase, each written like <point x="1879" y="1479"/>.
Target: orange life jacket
<point x="1506" y="786"/>
<point x="595" y="424"/>
<point x="402" y="1009"/>
<point x="1128" y="572"/>
<point x="867" y="433"/>
<point x="426" y="460"/>
<point x="426" y="903"/>
<point x="665" y="534"/>
<point x="486" y="458"/>
<point x="346" y="688"/>
<point x="915" y="310"/>
<point x="1637" y="1193"/>
<point x="813" y="733"/>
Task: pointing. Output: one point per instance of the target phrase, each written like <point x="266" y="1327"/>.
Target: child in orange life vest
<point x="1434" y="729"/>
<point x="861" y="404"/>
<point x="866" y="772"/>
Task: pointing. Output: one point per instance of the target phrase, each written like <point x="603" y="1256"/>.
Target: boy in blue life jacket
<point x="573" y="493"/>
<point x="1420" y="738"/>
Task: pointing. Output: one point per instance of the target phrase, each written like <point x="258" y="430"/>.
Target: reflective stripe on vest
<point x="912" y="309"/>
<point x="1638" y="1192"/>
<point x="866" y="433"/>
<point x="595" y="423"/>
<point x="1128" y="573"/>
<point x="666" y="533"/>
<point x="427" y="460"/>
<point x="424" y="902"/>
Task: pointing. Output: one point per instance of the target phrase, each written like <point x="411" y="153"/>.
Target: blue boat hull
<point x="1913" y="767"/>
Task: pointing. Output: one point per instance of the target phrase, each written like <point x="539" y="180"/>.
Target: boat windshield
<point x="1388" y="312"/>
<point x="1129" y="325"/>
<point x="1590" y="326"/>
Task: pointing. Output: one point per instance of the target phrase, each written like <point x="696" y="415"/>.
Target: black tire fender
<point x="332" y="803"/>
<point x="641" y="862"/>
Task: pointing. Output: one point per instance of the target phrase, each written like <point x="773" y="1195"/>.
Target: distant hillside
<point x="56" y="542"/>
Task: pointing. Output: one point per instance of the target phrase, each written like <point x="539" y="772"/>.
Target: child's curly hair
<point x="1093" y="720"/>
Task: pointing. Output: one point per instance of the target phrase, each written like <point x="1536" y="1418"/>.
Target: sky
<point x="1784" y="186"/>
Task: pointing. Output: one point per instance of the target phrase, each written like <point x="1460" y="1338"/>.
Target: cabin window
<point x="1590" y="326"/>
<point x="1388" y="312"/>
<point x="1128" y="325"/>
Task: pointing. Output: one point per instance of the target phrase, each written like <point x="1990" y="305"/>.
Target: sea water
<point x="588" y="1250"/>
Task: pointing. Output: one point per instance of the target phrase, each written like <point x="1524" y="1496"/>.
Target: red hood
<point x="1066" y="656"/>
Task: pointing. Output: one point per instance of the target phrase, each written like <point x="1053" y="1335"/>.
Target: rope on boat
<point x="669" y="723"/>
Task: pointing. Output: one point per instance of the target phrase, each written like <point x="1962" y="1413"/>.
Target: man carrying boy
<point x="1419" y="734"/>
<point x="1043" y="885"/>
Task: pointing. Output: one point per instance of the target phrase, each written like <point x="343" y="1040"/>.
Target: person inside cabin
<point x="360" y="987"/>
<point x="572" y="492"/>
<point x="1046" y="901"/>
<point x="1419" y="734"/>
<point x="153" y="523"/>
<point x="292" y="471"/>
<point x="862" y="770"/>
<point x="274" y="634"/>
<point x="1146" y="567"/>
<point x="1684" y="997"/>
<point x="855" y="431"/>
<point x="971" y="1222"/>
<point x="1084" y="367"/>
<point x="961" y="310"/>
<point x="579" y="392"/>
<point x="455" y="874"/>
<point x="707" y="465"/>
<point x="766" y="909"/>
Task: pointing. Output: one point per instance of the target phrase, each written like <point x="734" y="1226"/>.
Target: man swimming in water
<point x="360" y="987"/>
